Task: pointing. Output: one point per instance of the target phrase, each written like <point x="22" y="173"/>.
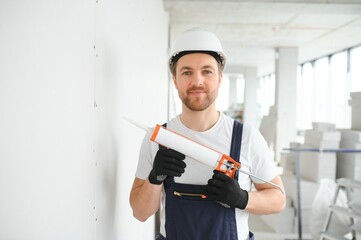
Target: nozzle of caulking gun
<point x="147" y="129"/>
<point x="139" y="125"/>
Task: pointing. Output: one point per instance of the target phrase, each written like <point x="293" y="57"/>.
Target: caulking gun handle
<point x="161" y="178"/>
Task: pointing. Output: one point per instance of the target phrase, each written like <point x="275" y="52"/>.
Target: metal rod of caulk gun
<point x="261" y="179"/>
<point x="211" y="154"/>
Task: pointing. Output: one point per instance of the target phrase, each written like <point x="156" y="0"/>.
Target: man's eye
<point x="186" y="73"/>
<point x="207" y="72"/>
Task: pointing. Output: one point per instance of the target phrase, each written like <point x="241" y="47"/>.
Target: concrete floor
<point x="263" y="232"/>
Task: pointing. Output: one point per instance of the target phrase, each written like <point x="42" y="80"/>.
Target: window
<point x="339" y="93"/>
<point x="266" y="93"/>
<point x="320" y="104"/>
<point x="222" y="101"/>
<point x="305" y="97"/>
<point x="355" y="69"/>
<point x="324" y="86"/>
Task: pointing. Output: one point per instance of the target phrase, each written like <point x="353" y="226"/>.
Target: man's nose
<point x="198" y="79"/>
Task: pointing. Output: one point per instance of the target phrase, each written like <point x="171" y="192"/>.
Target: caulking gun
<point x="197" y="151"/>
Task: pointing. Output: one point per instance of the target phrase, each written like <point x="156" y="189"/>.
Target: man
<point x="196" y="202"/>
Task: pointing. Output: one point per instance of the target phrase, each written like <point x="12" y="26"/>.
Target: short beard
<point x="197" y="104"/>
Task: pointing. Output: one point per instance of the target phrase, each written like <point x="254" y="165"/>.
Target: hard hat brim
<point x="219" y="57"/>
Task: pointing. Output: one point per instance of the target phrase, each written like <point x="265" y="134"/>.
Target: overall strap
<point x="236" y="142"/>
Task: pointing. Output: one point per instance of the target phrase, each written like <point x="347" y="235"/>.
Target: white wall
<point x="66" y="166"/>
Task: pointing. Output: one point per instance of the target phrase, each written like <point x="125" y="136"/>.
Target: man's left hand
<point x="226" y="190"/>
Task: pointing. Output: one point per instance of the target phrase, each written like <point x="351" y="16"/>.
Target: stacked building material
<point x="268" y="127"/>
<point x="317" y="165"/>
<point x="349" y="164"/>
<point x="313" y="166"/>
<point x="288" y="159"/>
<point x="282" y="222"/>
<point x="308" y="191"/>
<point x="355" y="103"/>
<point x="323" y="126"/>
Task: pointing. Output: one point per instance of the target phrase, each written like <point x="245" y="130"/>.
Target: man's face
<point x="197" y="80"/>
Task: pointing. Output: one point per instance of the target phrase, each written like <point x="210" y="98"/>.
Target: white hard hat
<point x="197" y="40"/>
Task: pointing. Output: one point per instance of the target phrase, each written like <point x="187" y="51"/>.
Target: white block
<point x="324" y="144"/>
<point x="352" y="159"/>
<point x="288" y="161"/>
<point x="323" y="126"/>
<point x="348" y="134"/>
<point x="355" y="102"/>
<point x="355" y="113"/>
<point x="318" y="155"/>
<point x="315" y="166"/>
<point x="308" y="190"/>
<point x="356" y="118"/>
<point x="294" y="144"/>
<point x="282" y="222"/>
<point x="350" y="144"/>
<point x="355" y="95"/>
<point x="323" y="135"/>
<point x="267" y="129"/>
<point x="348" y="171"/>
<point x="272" y="111"/>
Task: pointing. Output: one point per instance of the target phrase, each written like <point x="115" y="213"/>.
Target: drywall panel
<point x="131" y="81"/>
<point x="69" y="72"/>
<point x="46" y="122"/>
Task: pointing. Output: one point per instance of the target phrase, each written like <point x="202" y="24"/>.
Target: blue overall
<point x="188" y="216"/>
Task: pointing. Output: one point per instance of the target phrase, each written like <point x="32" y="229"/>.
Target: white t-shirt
<point x="255" y="158"/>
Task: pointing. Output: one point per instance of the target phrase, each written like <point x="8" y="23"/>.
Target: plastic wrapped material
<point x="320" y="207"/>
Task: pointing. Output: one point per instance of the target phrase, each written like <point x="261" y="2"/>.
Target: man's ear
<point x="174" y="81"/>
<point x="220" y="78"/>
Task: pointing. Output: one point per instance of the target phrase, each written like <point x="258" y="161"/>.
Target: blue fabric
<point x="161" y="237"/>
<point x="193" y="217"/>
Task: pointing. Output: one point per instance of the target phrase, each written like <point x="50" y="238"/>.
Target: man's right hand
<point x="167" y="162"/>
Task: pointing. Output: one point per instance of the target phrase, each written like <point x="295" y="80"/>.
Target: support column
<point x="250" y="96"/>
<point x="286" y="92"/>
<point x="233" y="90"/>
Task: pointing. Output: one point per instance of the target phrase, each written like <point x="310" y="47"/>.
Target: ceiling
<point x="250" y="31"/>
